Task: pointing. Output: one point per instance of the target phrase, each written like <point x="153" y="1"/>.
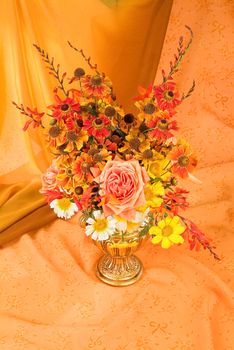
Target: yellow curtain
<point x="116" y="34"/>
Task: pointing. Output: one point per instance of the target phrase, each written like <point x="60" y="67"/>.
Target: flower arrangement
<point x="118" y="169"/>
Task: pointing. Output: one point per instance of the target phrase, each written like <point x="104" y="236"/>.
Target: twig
<point x="53" y="71"/>
<point x="23" y="111"/>
<point x="205" y="242"/>
<point x="181" y="51"/>
<point x="189" y="92"/>
<point x="87" y="59"/>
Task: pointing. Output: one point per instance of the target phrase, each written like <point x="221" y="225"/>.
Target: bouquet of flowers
<point x="118" y="169"/>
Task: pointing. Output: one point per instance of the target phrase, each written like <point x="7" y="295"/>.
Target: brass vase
<point x="119" y="267"/>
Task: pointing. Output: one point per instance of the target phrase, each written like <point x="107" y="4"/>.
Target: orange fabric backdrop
<point x="49" y="297"/>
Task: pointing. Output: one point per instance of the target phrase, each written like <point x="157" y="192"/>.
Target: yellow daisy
<point x="167" y="232"/>
<point x="153" y="194"/>
<point x="158" y="168"/>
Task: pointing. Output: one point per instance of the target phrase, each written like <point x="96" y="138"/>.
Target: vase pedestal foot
<point x="119" y="271"/>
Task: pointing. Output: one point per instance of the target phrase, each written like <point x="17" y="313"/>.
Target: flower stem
<point x="54" y="71"/>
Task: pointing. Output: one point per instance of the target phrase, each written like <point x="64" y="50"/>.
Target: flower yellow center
<point x="100" y="225"/>
<point x="167" y="231"/>
<point x="154" y="168"/>
<point x="64" y="203"/>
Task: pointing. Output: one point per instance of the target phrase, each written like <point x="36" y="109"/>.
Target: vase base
<point x="119" y="272"/>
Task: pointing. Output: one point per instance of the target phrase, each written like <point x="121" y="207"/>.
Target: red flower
<point x="53" y="194"/>
<point x="35" y="120"/>
<point x="183" y="160"/>
<point x="175" y="200"/>
<point x="160" y="127"/>
<point x="195" y="237"/>
<point x="111" y="146"/>
<point x="97" y="126"/>
<point x="64" y="108"/>
<point x="166" y="96"/>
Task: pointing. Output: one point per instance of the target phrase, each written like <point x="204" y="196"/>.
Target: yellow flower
<point x="153" y="194"/>
<point x="158" y="168"/>
<point x="66" y="173"/>
<point x="168" y="232"/>
<point x="135" y="141"/>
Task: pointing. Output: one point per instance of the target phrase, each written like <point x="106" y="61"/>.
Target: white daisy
<point x="124" y="225"/>
<point x="121" y="224"/>
<point x="64" y="207"/>
<point x="140" y="217"/>
<point x="100" y="227"/>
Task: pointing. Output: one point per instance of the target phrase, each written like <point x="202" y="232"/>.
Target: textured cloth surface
<point x="50" y="298"/>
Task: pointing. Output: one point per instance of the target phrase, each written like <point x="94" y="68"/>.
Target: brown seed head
<point x="147" y="154"/>
<point x="65" y="107"/>
<point x="116" y="139"/>
<point x="54" y="131"/>
<point x="129" y="118"/>
<point x="79" y="190"/>
<point x="109" y="111"/>
<point x="98" y="157"/>
<point x="79" y="72"/>
<point x="149" y="108"/>
<point x="72" y="136"/>
<point x="134" y="143"/>
<point x="96" y="80"/>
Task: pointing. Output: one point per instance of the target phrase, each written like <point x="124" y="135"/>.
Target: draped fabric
<point x="49" y="296"/>
<point x="114" y="34"/>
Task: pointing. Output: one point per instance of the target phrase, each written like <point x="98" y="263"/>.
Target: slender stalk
<point x="53" y="71"/>
<point x="87" y="59"/>
<point x="23" y="111"/>
<point x="181" y="51"/>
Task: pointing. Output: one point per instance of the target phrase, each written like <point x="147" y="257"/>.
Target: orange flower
<point x="183" y="160"/>
<point x="65" y="176"/>
<point x="81" y="168"/>
<point x="96" y="85"/>
<point x="144" y="93"/>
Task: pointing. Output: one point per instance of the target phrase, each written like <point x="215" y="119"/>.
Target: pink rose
<point x="48" y="180"/>
<point x="122" y="184"/>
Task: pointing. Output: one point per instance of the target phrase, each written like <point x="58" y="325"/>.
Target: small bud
<point x="53" y="121"/>
<point x="79" y="190"/>
<point x="79" y="72"/>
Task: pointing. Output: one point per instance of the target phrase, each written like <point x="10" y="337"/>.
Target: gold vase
<point x="119" y="267"/>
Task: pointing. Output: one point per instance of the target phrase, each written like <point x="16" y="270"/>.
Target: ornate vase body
<point x="119" y="267"/>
